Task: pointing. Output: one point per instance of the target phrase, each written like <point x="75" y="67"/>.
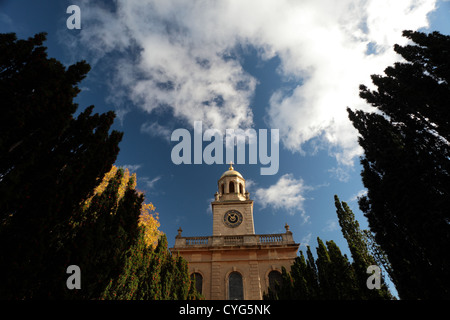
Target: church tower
<point x="234" y="262"/>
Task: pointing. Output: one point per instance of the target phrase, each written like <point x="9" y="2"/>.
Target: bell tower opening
<point x="231" y="187"/>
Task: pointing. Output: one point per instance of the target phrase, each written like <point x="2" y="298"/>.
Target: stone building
<point x="234" y="262"/>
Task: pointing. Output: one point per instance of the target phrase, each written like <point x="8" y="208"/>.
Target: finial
<point x="231" y="166"/>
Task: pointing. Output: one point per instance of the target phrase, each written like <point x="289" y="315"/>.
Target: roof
<point x="231" y="172"/>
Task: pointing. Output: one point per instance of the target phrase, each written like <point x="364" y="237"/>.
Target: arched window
<point x="241" y="188"/>
<point x="223" y="188"/>
<point x="231" y="189"/>
<point x="275" y="280"/>
<point x="235" y="286"/>
<point x="197" y="277"/>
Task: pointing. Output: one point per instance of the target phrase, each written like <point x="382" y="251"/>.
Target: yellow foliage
<point x="122" y="186"/>
<point x="149" y="221"/>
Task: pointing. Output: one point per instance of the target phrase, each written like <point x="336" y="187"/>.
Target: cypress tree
<point x="299" y="273"/>
<point x="358" y="245"/>
<point x="324" y="272"/>
<point x="342" y="274"/>
<point x="329" y="277"/>
<point x="312" y="277"/>
<point x="406" y="167"/>
<point x="152" y="274"/>
<point x="106" y="226"/>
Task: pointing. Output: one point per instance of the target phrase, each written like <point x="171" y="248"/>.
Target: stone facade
<point x="235" y="263"/>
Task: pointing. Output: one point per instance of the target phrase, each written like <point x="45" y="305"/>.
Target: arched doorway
<point x="197" y="277"/>
<point x="275" y="280"/>
<point x="235" y="286"/>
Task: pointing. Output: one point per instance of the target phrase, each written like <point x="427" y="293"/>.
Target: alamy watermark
<point x="234" y="139"/>
<point x="374" y="280"/>
<point x="74" y="280"/>
<point x="74" y="21"/>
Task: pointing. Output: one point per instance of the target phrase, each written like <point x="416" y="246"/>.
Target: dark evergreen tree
<point x="152" y="274"/>
<point x="344" y="282"/>
<point x="359" y="248"/>
<point x="329" y="277"/>
<point x="62" y="202"/>
<point x="406" y="166"/>
<point x="311" y="275"/>
<point x="325" y="272"/>
<point x="303" y="280"/>
<point x="336" y="276"/>
<point x="49" y="163"/>
<point x="102" y="231"/>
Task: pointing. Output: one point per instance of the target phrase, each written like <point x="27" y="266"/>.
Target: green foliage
<point x="332" y="276"/>
<point x="152" y="274"/>
<point x="358" y="243"/>
<point x="406" y="167"/>
<point x="102" y="232"/>
<point x="62" y="202"/>
<point x="329" y="277"/>
<point x="49" y="164"/>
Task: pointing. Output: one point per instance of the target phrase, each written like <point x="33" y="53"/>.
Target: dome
<point x="231" y="172"/>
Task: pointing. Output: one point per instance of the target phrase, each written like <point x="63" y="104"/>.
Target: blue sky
<point x="292" y="66"/>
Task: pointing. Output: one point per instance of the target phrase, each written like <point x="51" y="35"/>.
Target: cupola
<point x="231" y="186"/>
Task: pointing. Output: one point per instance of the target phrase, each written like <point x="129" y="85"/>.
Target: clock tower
<point x="232" y="209"/>
<point x="234" y="262"/>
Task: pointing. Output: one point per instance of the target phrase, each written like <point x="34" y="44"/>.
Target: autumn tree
<point x="152" y="273"/>
<point x="120" y="249"/>
<point x="49" y="163"/>
<point x="105" y="227"/>
<point x="406" y="166"/>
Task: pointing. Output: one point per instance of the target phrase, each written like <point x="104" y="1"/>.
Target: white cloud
<point x="331" y="225"/>
<point x="209" y="207"/>
<point x="334" y="60"/>
<point x="359" y="194"/>
<point x="178" y="55"/>
<point x="249" y="184"/>
<point x="288" y="193"/>
<point x="306" y="240"/>
<point x="156" y="130"/>
<point x="149" y="183"/>
<point x="340" y="173"/>
<point x="132" y="167"/>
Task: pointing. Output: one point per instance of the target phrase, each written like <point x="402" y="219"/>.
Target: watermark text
<point x="234" y="140"/>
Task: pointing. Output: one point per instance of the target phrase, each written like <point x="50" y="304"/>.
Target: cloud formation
<point x="148" y="183"/>
<point x="287" y="193"/>
<point x="181" y="56"/>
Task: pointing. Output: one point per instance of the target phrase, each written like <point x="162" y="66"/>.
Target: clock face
<point x="232" y="218"/>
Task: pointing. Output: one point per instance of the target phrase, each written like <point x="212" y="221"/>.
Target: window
<point x="223" y="188"/>
<point x="231" y="187"/>
<point x="274" y="280"/>
<point x="197" y="277"/>
<point x="241" y="188"/>
<point x="235" y="286"/>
